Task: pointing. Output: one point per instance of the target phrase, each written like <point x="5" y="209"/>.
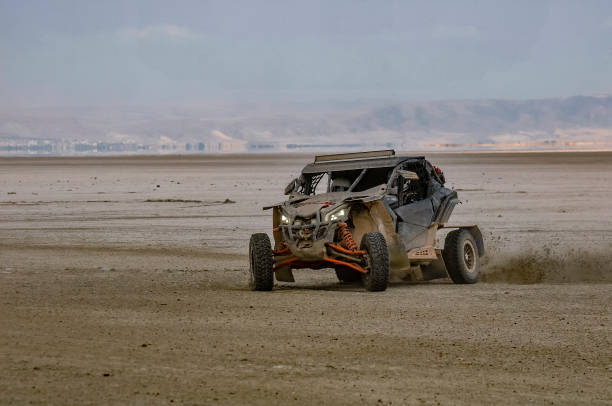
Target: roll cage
<point x="368" y="173"/>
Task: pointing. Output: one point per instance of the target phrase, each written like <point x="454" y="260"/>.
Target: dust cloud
<point x="547" y="265"/>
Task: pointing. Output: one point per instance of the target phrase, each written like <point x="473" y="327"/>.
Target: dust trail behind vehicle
<point x="548" y="265"/>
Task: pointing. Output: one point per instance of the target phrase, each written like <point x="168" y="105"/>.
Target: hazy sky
<point x="67" y="52"/>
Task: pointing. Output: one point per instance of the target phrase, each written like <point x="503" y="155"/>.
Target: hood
<point x="307" y="206"/>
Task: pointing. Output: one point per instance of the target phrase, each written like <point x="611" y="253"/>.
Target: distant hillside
<point x="492" y="116"/>
<point x="580" y="121"/>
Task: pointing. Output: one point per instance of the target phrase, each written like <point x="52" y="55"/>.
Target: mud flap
<point x="284" y="275"/>
<point x="435" y="270"/>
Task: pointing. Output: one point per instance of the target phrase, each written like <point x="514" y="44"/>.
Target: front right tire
<point x="261" y="262"/>
<point x="377" y="278"/>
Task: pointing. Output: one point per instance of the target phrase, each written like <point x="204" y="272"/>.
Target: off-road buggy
<point x="376" y="213"/>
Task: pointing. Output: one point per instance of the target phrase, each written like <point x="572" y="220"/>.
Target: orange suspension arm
<point x="281" y="251"/>
<point x="286" y="262"/>
<point x="343" y="263"/>
<point x="344" y="250"/>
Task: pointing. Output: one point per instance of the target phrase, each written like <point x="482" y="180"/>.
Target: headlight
<point x="338" y="214"/>
<point x="284" y="219"/>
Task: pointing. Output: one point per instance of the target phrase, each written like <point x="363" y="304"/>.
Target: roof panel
<point x="355" y="155"/>
<point x="356" y="164"/>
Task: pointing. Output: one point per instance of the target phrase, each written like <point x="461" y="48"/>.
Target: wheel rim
<point x="469" y="256"/>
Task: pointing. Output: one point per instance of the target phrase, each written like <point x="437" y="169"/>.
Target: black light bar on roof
<point x="355" y="155"/>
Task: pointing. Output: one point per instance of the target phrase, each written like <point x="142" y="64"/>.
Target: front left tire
<point x="261" y="262"/>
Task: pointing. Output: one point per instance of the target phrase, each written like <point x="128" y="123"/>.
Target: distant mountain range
<point x="574" y="122"/>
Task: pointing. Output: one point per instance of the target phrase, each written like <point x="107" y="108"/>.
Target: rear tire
<point x="261" y="262"/>
<point x="461" y="256"/>
<point x="347" y="275"/>
<point x="377" y="278"/>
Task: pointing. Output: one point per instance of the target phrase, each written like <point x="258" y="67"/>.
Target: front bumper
<point x="308" y="241"/>
<point x="302" y="249"/>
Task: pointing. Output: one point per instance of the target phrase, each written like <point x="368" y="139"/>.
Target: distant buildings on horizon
<point x="13" y="146"/>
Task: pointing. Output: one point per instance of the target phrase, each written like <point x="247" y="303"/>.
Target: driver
<point x="340" y="185"/>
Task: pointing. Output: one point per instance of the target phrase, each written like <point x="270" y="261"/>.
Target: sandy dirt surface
<point x="124" y="281"/>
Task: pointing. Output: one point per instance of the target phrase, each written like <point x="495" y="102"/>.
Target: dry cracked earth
<point x="124" y="281"/>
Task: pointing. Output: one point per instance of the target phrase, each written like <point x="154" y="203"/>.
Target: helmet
<point x="340" y="185"/>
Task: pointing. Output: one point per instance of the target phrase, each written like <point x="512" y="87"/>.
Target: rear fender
<point x="476" y="233"/>
<point x="446" y="208"/>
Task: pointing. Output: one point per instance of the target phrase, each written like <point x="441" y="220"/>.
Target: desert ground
<point x="124" y="281"/>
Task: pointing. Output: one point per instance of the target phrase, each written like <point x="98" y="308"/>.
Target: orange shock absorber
<point x="346" y="237"/>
